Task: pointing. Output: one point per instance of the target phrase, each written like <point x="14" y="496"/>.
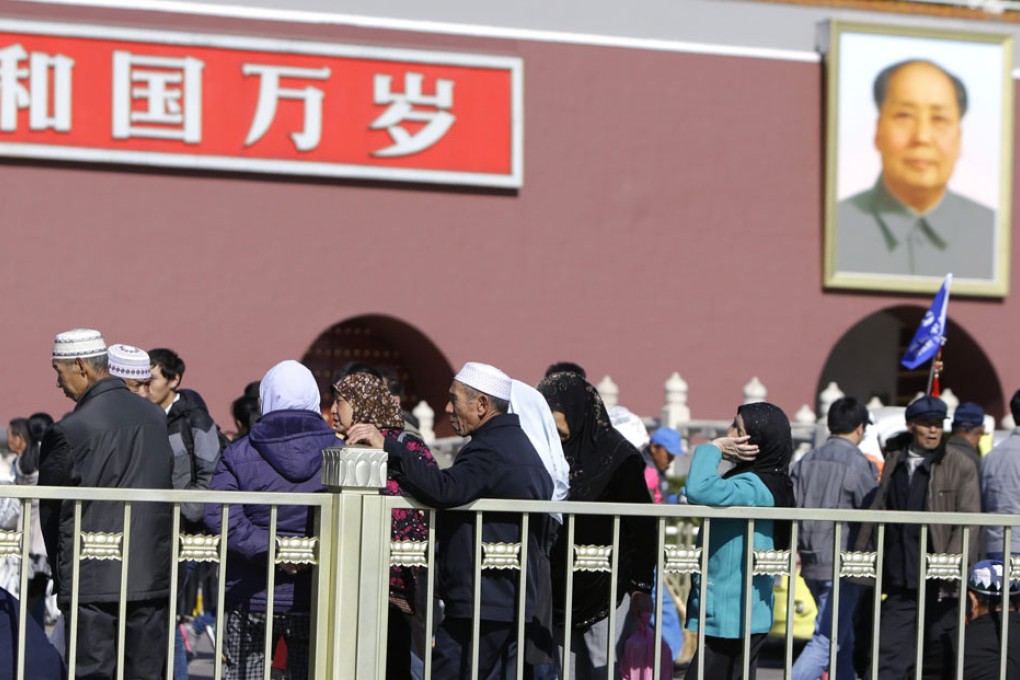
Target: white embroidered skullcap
<point x="486" y="379"/>
<point x="129" y="362"/>
<point x="79" y="343"/>
<point x="986" y="578"/>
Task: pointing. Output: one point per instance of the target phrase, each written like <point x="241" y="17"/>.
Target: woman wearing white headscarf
<point x="283" y="452"/>
<point x="537" y="422"/>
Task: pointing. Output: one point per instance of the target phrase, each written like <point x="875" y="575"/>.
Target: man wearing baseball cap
<point x="664" y="446"/>
<point x="968" y="428"/>
<point x="111" y="439"/>
<point x="921" y="474"/>
<point x="499" y="462"/>
<point x="983" y="638"/>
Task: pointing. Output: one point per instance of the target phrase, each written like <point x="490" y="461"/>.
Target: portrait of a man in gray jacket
<point x="911" y="222"/>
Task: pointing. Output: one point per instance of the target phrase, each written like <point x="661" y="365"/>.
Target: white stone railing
<point x="676" y="411"/>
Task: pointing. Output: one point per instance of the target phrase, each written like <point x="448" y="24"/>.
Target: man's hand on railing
<point x="736" y="449"/>
<point x="362" y="433"/>
<point x="290" y="568"/>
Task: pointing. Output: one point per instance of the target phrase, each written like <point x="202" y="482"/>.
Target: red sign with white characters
<point x="101" y="94"/>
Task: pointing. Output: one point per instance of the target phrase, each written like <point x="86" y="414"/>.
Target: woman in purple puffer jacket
<point x="283" y="452"/>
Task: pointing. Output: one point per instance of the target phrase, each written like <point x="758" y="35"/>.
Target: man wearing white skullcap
<point x="79" y="358"/>
<point x="131" y="365"/>
<point x="112" y="439"/>
<point x="499" y="462"/>
<point x="467" y="411"/>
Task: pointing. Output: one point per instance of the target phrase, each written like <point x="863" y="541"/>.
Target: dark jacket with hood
<point x="604" y="468"/>
<point x="636" y="562"/>
<point x="282" y="453"/>
<point x="195" y="440"/>
<point x="112" y="439"/>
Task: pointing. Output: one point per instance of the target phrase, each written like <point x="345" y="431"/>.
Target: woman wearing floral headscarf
<point x="604" y="467"/>
<point x="760" y="445"/>
<point x="360" y="400"/>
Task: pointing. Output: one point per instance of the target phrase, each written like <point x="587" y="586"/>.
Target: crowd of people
<point x="134" y="426"/>
<point x="925" y="469"/>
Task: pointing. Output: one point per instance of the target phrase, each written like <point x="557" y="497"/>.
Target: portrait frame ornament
<point x="918" y="159"/>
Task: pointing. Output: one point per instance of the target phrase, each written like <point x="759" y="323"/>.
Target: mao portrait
<point x="918" y="160"/>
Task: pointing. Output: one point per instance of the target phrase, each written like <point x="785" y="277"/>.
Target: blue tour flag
<point x="928" y="338"/>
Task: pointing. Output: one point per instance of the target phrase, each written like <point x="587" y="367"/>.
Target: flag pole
<point x="933" y="389"/>
<point x="936" y="364"/>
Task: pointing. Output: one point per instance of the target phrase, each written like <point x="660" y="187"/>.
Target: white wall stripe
<point x="446" y="28"/>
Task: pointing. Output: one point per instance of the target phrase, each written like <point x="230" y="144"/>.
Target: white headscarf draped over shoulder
<point x="289" y="386"/>
<point x="537" y="422"/>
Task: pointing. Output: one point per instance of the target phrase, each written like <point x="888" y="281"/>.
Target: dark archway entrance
<point x="385" y="342"/>
<point x="866" y="362"/>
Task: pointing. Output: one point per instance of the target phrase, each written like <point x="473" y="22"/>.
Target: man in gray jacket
<point x="1000" y="486"/>
<point x="835" y="475"/>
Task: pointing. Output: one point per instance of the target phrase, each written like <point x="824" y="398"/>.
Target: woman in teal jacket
<point x="760" y="445"/>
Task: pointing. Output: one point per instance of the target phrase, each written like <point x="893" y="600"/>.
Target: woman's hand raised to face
<point x="736" y="449"/>
<point x="362" y="433"/>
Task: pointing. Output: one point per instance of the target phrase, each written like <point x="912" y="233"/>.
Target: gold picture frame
<point x="919" y="157"/>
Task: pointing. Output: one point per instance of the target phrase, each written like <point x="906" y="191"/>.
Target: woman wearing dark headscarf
<point x="604" y="467"/>
<point x="760" y="445"/>
<point x="362" y="399"/>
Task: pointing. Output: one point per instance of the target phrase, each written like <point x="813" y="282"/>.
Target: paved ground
<point x="202" y="665"/>
<point x="770" y="663"/>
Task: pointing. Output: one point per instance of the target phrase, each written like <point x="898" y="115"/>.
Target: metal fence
<point x="350" y="552"/>
<point x="317" y="550"/>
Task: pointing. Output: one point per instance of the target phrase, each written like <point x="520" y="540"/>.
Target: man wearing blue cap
<point x="968" y="428"/>
<point x="921" y="474"/>
<point x="664" y="445"/>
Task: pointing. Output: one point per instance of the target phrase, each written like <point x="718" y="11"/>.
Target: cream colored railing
<point x="350" y="553"/>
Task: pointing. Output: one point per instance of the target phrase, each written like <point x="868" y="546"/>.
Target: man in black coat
<point x="498" y="462"/>
<point x="112" y="439"/>
<point x="982" y="646"/>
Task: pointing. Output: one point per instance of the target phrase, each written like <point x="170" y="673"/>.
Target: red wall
<point x="670" y="220"/>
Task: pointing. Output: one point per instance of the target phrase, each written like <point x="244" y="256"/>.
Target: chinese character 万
<point x="402" y="108"/>
<point x="36" y="97"/>
<point x="270" y="92"/>
<point x="170" y="90"/>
